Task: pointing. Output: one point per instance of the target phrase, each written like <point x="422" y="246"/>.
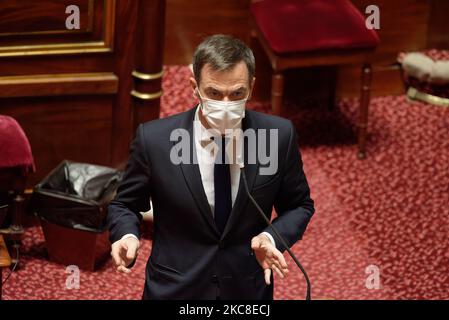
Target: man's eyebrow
<point x="212" y="88"/>
<point x="239" y="89"/>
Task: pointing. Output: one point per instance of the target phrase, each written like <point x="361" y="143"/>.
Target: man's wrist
<point x="129" y="235"/>
<point x="270" y="237"/>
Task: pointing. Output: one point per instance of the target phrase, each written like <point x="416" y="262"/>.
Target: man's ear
<point x="252" y="88"/>
<point x="194" y="86"/>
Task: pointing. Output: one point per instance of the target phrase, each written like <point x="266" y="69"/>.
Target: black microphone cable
<point x="284" y="243"/>
<point x="16" y="246"/>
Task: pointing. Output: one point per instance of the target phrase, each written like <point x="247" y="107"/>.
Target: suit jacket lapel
<point x="192" y="174"/>
<point x="250" y="173"/>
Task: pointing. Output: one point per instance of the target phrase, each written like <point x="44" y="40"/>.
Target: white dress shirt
<point x="206" y="152"/>
<point x="205" y="147"/>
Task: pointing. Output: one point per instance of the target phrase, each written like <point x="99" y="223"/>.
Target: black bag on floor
<point x="76" y="195"/>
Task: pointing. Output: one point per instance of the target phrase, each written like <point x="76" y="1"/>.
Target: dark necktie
<point x="222" y="187"/>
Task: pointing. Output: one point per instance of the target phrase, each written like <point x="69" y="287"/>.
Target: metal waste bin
<point x="71" y="203"/>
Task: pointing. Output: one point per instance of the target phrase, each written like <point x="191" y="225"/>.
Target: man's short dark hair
<point x="222" y="53"/>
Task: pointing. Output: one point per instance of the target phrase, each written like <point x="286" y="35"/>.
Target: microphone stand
<point x="309" y="287"/>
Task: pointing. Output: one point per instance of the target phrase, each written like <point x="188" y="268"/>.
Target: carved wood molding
<point x="58" y="85"/>
<point x="105" y="44"/>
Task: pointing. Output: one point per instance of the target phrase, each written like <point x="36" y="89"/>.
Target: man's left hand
<point x="269" y="257"/>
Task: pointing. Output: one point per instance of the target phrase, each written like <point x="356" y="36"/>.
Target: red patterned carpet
<point x="390" y="210"/>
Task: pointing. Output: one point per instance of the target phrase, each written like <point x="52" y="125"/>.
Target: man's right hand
<point x="123" y="253"/>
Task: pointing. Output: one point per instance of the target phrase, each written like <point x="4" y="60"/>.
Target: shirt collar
<point x="203" y="136"/>
<point x="201" y="133"/>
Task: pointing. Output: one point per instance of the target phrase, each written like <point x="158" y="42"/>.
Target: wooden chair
<point x="5" y="261"/>
<point x="308" y="33"/>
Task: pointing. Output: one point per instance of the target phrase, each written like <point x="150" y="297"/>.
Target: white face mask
<point x="222" y="115"/>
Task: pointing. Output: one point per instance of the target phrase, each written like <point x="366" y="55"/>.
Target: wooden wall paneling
<point x="124" y="49"/>
<point x="386" y="80"/>
<point x="58" y="85"/>
<point x="405" y="25"/>
<point x="262" y="86"/>
<point x="99" y="38"/>
<point x="148" y="67"/>
<point x="438" y="31"/>
<point x="64" y="127"/>
<point x="57" y="127"/>
<point x="40" y="18"/>
<point x="189" y="22"/>
<point x="56" y="64"/>
<point x="69" y="89"/>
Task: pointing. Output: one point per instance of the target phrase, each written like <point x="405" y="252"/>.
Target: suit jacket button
<point x="214" y="278"/>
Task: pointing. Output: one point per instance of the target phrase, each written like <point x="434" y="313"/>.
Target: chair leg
<point x="277" y="90"/>
<point x="363" y="109"/>
<point x="15" y="230"/>
<point x="18" y="210"/>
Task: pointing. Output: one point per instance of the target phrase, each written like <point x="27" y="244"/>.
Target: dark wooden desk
<point x="5" y="260"/>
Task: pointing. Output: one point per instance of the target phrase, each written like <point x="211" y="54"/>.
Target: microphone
<point x="284" y="243"/>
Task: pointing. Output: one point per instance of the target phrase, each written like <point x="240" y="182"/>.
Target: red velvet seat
<point x="306" y="33"/>
<point x="16" y="163"/>
<point x="14" y="146"/>
<point x="308" y="25"/>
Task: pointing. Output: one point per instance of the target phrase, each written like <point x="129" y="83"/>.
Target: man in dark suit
<point x="210" y="242"/>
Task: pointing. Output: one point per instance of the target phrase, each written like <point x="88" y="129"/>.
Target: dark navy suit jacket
<point x="190" y="259"/>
